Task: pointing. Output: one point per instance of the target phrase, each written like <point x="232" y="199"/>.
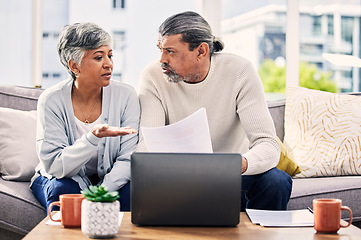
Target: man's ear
<point x="203" y="50"/>
<point x="74" y="67"/>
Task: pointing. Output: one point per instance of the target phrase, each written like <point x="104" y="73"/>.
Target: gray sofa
<point x="20" y="211"/>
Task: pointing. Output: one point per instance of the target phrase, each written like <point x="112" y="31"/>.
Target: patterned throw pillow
<point x="323" y="132"/>
<point x="286" y="163"/>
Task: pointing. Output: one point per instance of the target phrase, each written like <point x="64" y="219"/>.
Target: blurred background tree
<point x="273" y="77"/>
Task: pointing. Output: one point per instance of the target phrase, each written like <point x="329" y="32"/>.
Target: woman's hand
<point x="104" y="130"/>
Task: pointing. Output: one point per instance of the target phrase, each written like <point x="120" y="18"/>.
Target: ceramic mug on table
<point x="327" y="215"/>
<point x="70" y="210"/>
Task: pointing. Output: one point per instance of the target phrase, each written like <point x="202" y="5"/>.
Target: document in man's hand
<point x="190" y="135"/>
<point x="269" y="218"/>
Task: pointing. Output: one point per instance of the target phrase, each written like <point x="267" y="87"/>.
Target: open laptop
<point x="186" y="189"/>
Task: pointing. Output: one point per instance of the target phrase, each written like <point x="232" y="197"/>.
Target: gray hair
<point x="76" y="39"/>
<point x="194" y="29"/>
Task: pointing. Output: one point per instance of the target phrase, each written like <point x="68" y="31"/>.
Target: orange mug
<point x="70" y="210"/>
<point x="327" y="215"/>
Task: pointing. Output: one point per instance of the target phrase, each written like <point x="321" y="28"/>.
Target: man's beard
<point x="172" y="76"/>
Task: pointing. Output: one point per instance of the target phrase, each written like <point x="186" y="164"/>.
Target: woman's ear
<point x="74" y="67"/>
<point x="203" y="50"/>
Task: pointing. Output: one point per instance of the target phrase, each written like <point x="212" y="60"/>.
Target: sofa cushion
<point x="17" y="144"/>
<point x="346" y="188"/>
<point x="20" y="211"/>
<point x="323" y="132"/>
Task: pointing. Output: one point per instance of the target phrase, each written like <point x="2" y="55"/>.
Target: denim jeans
<point x="270" y="190"/>
<point x="47" y="191"/>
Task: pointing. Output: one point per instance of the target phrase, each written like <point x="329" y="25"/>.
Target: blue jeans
<point x="47" y="191"/>
<point x="270" y="190"/>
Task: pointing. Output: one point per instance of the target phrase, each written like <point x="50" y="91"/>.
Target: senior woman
<point x="87" y="125"/>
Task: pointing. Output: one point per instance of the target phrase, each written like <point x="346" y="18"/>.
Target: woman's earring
<point x="77" y="74"/>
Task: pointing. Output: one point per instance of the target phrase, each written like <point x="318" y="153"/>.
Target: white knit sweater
<point x="233" y="96"/>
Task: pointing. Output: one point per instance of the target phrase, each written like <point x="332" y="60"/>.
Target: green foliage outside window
<point x="274" y="77"/>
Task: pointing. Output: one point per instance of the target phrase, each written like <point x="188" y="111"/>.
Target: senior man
<point x="192" y="73"/>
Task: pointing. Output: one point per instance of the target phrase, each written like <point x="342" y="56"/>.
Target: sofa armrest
<point x="21" y="98"/>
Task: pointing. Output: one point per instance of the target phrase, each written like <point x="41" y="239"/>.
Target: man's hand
<point x="244" y="164"/>
<point x="104" y="130"/>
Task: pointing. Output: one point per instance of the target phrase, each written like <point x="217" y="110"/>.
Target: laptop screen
<point x="193" y="189"/>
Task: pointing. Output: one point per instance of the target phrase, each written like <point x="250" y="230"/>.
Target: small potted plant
<point x="100" y="212"/>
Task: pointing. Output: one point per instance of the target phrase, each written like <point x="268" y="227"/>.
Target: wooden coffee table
<point x="245" y="230"/>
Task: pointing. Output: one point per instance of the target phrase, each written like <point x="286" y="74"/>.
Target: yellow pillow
<point x="322" y="132"/>
<point x="286" y="163"/>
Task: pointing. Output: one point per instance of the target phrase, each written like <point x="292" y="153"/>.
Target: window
<point x="330" y="24"/>
<point x="56" y="75"/>
<point x="117" y="76"/>
<point x="317" y="25"/>
<point x="119" y="51"/>
<point x="347" y="28"/>
<point x="255" y="31"/>
<point x="119" y="4"/>
<point x="118" y="40"/>
<point x="272" y="45"/>
<point x="53" y="35"/>
<point x="311" y="49"/>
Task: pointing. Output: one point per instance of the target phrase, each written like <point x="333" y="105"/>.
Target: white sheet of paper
<point x="189" y="135"/>
<point x="56" y="216"/>
<point x="288" y="218"/>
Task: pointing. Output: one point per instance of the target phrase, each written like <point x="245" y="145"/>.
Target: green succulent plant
<point x="99" y="194"/>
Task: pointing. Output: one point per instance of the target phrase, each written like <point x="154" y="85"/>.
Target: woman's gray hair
<point x="76" y="39"/>
<point x="194" y="29"/>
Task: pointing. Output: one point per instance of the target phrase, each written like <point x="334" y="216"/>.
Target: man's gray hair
<point x="75" y="39"/>
<point x="194" y="29"/>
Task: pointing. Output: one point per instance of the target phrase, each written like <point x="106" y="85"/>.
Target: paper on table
<point x="188" y="135"/>
<point x="269" y="218"/>
<point x="56" y="216"/>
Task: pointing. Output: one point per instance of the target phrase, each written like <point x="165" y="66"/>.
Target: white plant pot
<point x="99" y="219"/>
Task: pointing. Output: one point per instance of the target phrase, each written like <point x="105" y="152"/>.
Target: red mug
<point x="327" y="215"/>
<point x="70" y="210"/>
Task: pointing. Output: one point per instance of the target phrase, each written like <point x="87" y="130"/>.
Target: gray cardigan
<point x="62" y="155"/>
